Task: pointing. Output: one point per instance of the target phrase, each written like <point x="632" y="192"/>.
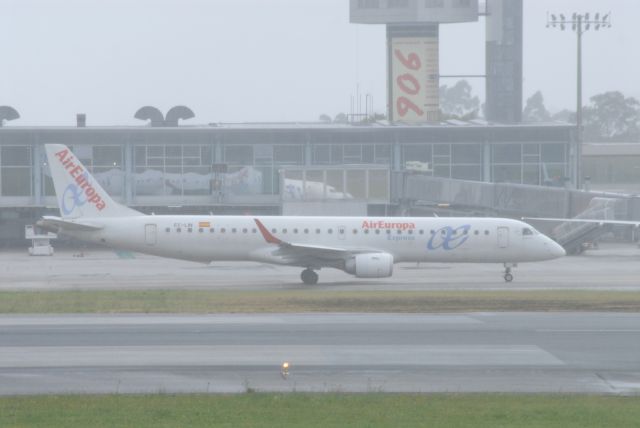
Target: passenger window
<point x="254" y="230"/>
<point x="223" y="230"/>
<point x="211" y="230"/>
<point x="486" y="232"/>
<point x="244" y="230"/>
<point x="274" y="231"/>
<point x="306" y="231"/>
<point x="201" y="230"/>
<point x="477" y="232"/>
<point x="421" y="232"/>
<point x="377" y="231"/>
<point x="318" y="231"/>
<point x="366" y="231"/>
<point x="168" y="229"/>
<point x="295" y="231"/>
<point x="330" y="231"/>
<point x="190" y="230"/>
<point x="399" y="232"/>
<point x="284" y="231"/>
<point x="355" y="231"/>
<point x="234" y="230"/>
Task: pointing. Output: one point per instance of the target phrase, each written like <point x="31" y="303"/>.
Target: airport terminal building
<point x="268" y="169"/>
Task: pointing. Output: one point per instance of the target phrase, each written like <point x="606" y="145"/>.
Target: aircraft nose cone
<point x="556" y="249"/>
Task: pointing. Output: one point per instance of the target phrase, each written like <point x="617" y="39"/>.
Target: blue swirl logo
<point x="72" y="197"/>
<point x="449" y="238"/>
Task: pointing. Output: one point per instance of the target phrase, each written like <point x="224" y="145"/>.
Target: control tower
<point x="413" y="70"/>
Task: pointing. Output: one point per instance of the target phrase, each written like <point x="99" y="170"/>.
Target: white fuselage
<point x="236" y="238"/>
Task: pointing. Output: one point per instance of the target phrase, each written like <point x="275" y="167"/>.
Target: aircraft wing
<point x="305" y="254"/>
<point x="601" y="222"/>
<point x="57" y="223"/>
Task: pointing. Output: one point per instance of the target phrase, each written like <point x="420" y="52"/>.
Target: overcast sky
<point x="264" y="60"/>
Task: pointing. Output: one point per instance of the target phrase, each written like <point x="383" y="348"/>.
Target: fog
<point x="256" y="60"/>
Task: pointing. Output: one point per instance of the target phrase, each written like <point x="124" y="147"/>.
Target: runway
<point x="613" y="267"/>
<point x="478" y="352"/>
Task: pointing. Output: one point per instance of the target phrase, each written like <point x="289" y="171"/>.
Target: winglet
<point x="266" y="234"/>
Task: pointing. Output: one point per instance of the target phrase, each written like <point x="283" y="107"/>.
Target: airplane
<point x="366" y="247"/>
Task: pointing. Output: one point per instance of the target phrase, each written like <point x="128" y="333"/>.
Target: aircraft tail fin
<point x="77" y="191"/>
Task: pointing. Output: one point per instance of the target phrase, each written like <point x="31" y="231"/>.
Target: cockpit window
<point x="527" y="232"/>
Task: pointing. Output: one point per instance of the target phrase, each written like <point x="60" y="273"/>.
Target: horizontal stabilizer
<point x="57" y="223"/>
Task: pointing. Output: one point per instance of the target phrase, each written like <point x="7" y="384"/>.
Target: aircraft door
<point x="503" y="237"/>
<point x="151" y="234"/>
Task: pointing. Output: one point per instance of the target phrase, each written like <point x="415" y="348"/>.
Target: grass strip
<point x="200" y="302"/>
<point x="321" y="410"/>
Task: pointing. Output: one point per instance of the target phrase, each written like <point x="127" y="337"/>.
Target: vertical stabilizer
<point x="77" y="191"/>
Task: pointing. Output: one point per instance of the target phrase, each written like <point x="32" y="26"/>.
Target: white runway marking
<point x="270" y="355"/>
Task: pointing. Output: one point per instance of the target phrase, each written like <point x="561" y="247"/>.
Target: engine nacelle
<point x="374" y="265"/>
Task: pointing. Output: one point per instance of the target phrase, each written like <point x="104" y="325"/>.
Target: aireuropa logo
<point x="380" y="224"/>
<point x="449" y="238"/>
<point x="81" y="191"/>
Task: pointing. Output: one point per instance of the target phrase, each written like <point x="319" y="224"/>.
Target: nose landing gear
<point x="508" y="276"/>
<point x="309" y="277"/>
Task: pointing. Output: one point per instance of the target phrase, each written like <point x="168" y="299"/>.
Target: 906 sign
<point x="408" y="83"/>
<point x="414" y="62"/>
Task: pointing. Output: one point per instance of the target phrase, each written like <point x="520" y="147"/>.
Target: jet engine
<point x="373" y="265"/>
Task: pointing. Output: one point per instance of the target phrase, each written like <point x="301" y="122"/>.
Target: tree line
<point x="610" y="116"/>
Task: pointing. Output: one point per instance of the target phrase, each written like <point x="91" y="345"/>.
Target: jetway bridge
<point x="425" y="195"/>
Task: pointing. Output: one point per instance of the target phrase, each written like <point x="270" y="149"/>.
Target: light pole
<point x="580" y="23"/>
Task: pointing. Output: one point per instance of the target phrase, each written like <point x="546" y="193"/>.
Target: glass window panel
<point x="553" y="174"/>
<point x="156" y="151"/>
<point x="416" y="153"/>
<point x="467" y="172"/>
<point x="467" y="153"/>
<point x="336" y="154"/>
<point x="335" y="179"/>
<point x="238" y="155"/>
<point x="196" y="180"/>
<point x="383" y="153"/>
<point x="379" y="184"/>
<point x="531" y="174"/>
<point x="16" y="181"/>
<point x="15" y="156"/>
<point x="174" y="151"/>
<point x="149" y="181"/>
<point x="263" y="154"/>
<point x="442" y="149"/>
<point x="357" y="184"/>
<point x="191" y="151"/>
<point x="507" y="174"/>
<point x="442" y="171"/>
<point x="553" y="153"/>
<point x="368" y="153"/>
<point x="107" y="156"/>
<point x="531" y="149"/>
<point x="321" y="154"/>
<point x="141" y="155"/>
<point x="288" y="154"/>
<point x="507" y="153"/>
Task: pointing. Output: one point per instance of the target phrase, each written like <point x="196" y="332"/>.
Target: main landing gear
<point x="508" y="276"/>
<point x="309" y="277"/>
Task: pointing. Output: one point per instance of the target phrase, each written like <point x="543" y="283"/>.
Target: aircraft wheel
<point x="309" y="277"/>
<point x="508" y="277"/>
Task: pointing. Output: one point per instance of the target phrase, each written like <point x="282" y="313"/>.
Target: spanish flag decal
<point x="204" y="224"/>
